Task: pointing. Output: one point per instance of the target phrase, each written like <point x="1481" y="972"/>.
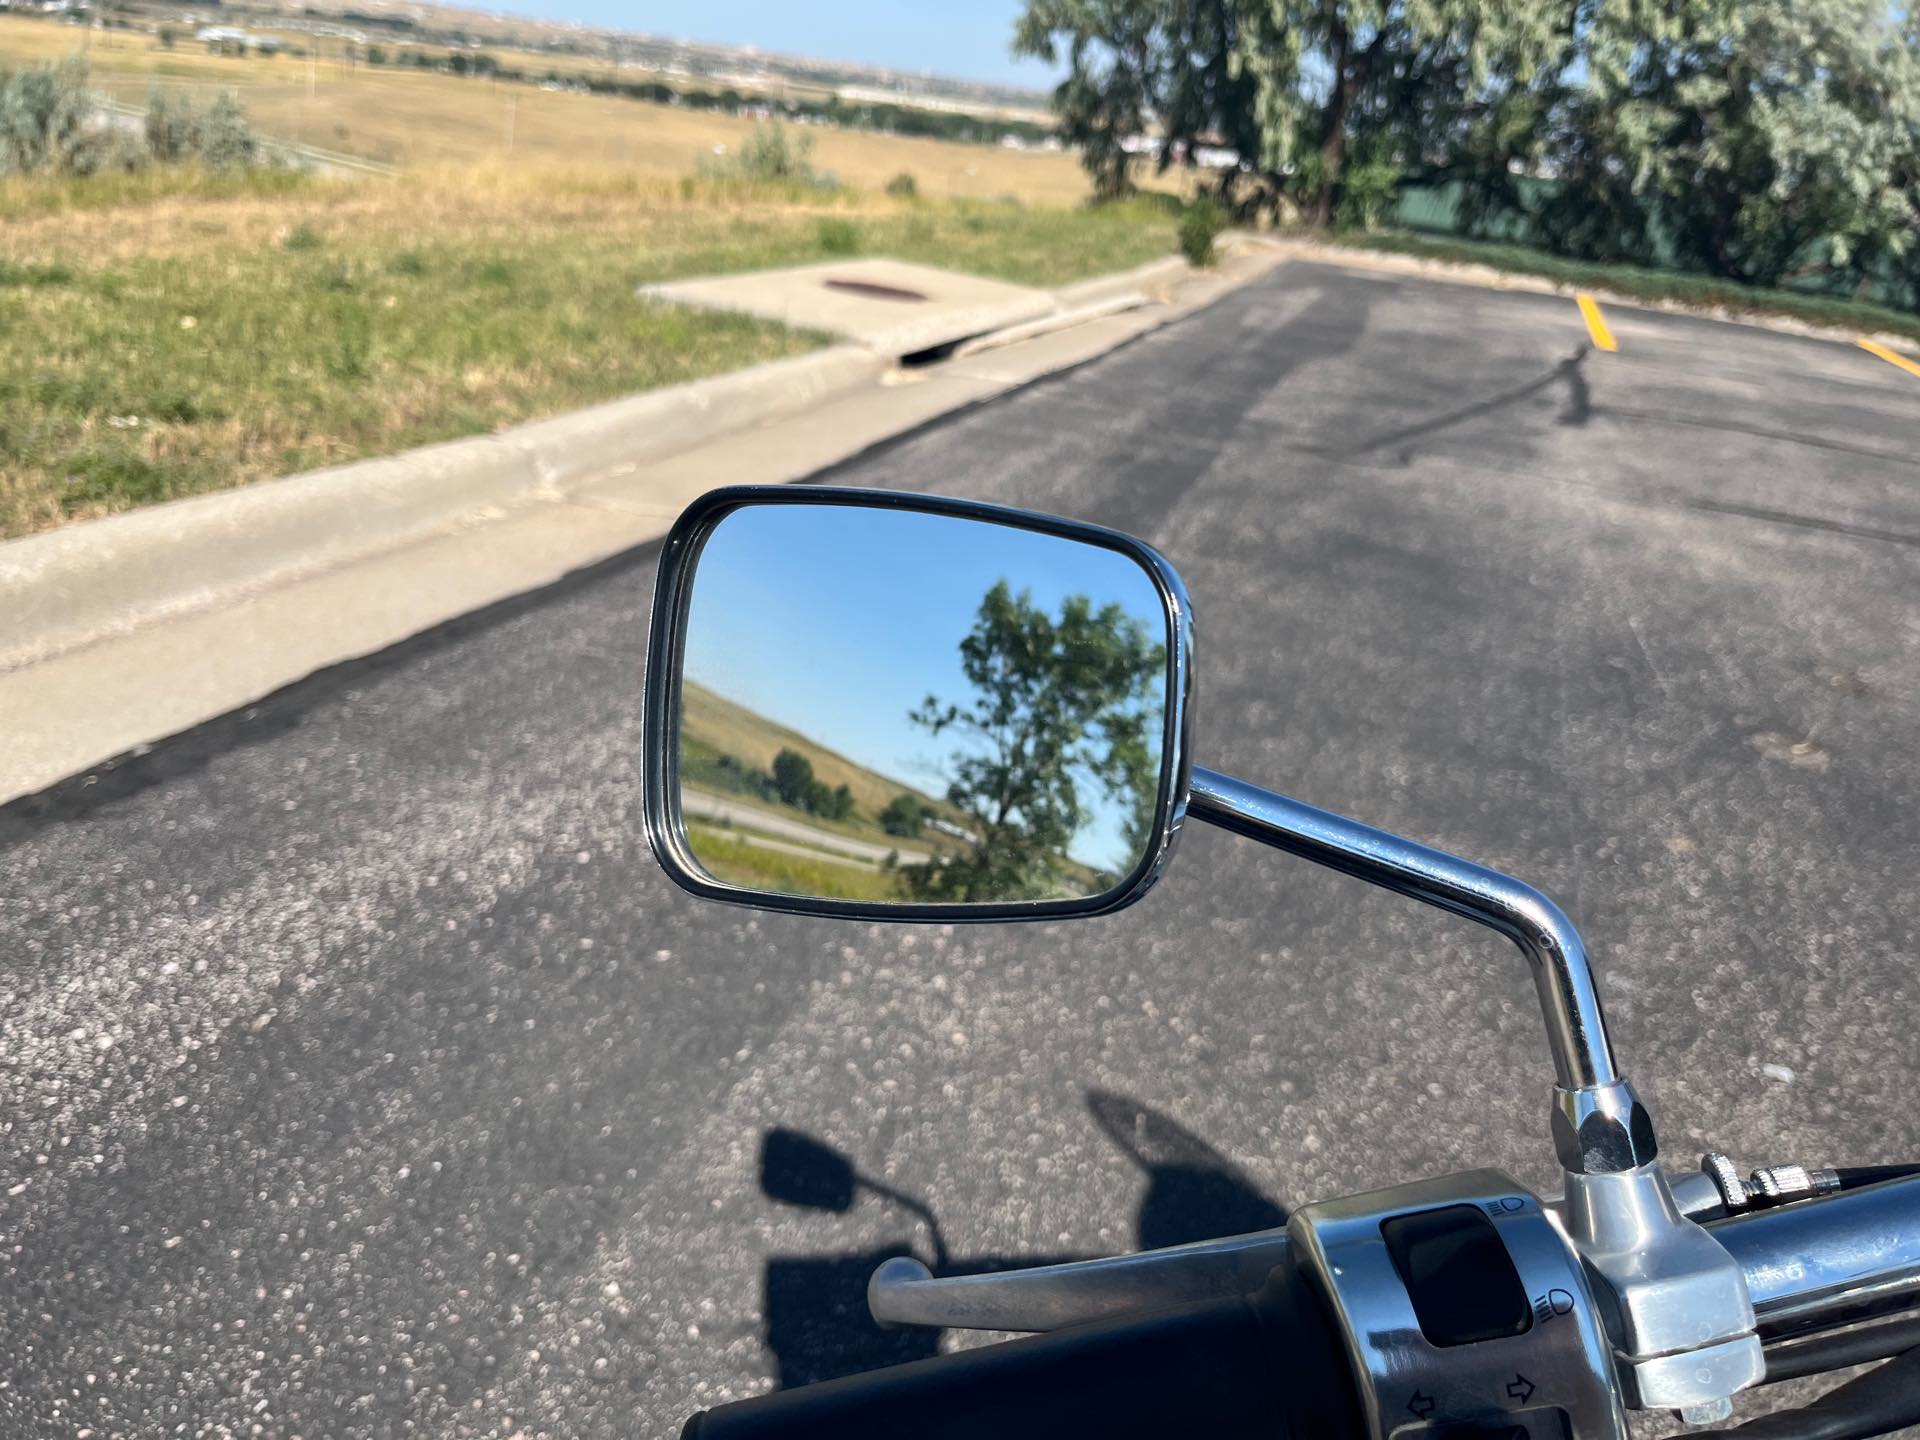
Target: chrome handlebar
<point x="1818" y="1264"/>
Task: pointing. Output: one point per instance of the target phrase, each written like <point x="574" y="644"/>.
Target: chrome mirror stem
<point x="1682" y="1323"/>
<point x="1576" y="1028"/>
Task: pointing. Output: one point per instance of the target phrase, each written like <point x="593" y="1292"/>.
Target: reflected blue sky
<point x="837" y="620"/>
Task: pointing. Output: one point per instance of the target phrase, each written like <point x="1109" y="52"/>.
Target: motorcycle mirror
<point x="906" y="707"/>
<point x="797" y="1169"/>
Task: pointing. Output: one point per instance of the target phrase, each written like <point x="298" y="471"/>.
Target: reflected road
<point x="702" y="805"/>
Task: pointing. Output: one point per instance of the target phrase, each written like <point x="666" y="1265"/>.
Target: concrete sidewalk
<point x="79" y="708"/>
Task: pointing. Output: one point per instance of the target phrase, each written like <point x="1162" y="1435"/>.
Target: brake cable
<point x="1879" y="1402"/>
<point x="1818" y="1354"/>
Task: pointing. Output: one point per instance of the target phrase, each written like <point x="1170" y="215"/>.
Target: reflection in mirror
<point x="893" y="706"/>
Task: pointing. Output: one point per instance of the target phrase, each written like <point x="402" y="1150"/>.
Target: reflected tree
<point x="1063" y="707"/>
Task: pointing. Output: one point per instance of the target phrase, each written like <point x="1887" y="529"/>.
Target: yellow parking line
<point x="1596" y="322"/>
<point x="1892" y="357"/>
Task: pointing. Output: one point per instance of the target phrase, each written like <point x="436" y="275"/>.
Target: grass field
<point x="420" y="118"/>
<point x="738" y="862"/>
<point x="169" y="333"/>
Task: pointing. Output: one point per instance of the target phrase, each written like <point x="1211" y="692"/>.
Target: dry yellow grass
<point x="413" y="118"/>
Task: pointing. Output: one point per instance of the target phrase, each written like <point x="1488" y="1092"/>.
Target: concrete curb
<point x="1047" y="324"/>
<point x="73" y="586"/>
<point x="1487" y="277"/>
<point x="1154" y="278"/>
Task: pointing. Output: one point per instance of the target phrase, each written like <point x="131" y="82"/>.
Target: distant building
<point x="233" y="35"/>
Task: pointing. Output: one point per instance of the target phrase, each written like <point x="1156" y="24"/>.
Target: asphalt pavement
<point x="363" y="1077"/>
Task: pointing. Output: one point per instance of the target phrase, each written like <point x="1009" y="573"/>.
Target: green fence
<point x="1435" y="210"/>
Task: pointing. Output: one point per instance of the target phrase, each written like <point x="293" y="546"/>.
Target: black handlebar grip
<point x="1268" y="1366"/>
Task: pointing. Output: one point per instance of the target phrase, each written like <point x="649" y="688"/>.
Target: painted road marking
<point x="1596" y="322"/>
<point x="1892" y="357"/>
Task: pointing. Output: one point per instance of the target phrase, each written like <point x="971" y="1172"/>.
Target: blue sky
<point x="837" y="620"/>
<point x="963" y="38"/>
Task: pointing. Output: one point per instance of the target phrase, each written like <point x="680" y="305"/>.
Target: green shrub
<point x="1202" y="223"/>
<point x="903" y="186"/>
<point x="839" y="237"/>
<point x="408" y="262"/>
<point x="771" y="156"/>
<point x="302" y="237"/>
<point x="171" y="133"/>
<point x="1367" y="192"/>
<point x="107" y="152"/>
<point x="226" y="139"/>
<point x="45" y="115"/>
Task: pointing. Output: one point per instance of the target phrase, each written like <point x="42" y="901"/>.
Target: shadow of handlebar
<point x="815" y="1307"/>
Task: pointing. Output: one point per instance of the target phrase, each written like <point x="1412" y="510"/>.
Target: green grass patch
<point x="25" y="196"/>
<point x="839" y="237"/>
<point x="34" y="276"/>
<point x="1695" y="291"/>
<point x="760" y="868"/>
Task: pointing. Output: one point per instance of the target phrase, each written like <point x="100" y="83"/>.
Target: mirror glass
<point x="892" y="706"/>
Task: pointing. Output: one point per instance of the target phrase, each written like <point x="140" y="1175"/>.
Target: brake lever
<point x="903" y="1291"/>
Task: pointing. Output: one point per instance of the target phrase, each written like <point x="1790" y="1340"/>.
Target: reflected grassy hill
<point x="713" y="723"/>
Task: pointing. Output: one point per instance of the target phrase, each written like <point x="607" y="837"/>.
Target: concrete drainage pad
<point x="891" y="307"/>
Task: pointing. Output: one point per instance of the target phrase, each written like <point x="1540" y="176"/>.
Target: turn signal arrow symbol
<point x="1520" y="1388"/>
<point x="1420" y="1405"/>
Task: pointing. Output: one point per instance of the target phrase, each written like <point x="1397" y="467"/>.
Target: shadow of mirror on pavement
<point x="817" y="1325"/>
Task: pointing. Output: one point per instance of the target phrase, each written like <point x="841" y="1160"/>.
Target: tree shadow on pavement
<point x="817" y="1323"/>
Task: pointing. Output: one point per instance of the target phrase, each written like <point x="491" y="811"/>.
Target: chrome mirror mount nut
<point x="1602" y="1129"/>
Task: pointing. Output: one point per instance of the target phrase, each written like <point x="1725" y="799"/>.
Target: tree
<point x="793" y="778"/>
<point x="1113" y="50"/>
<point x="1316" y="96"/>
<point x="1059" y="706"/>
<point x="904" y="816"/>
<point x="1758" y="137"/>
